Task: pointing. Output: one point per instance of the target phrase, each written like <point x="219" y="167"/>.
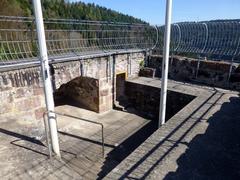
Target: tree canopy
<point x="65" y="9"/>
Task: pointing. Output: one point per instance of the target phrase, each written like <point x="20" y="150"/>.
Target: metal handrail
<point x="74" y="117"/>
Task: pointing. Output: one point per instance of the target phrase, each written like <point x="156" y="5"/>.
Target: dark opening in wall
<point x="120" y="86"/>
<point x="81" y="92"/>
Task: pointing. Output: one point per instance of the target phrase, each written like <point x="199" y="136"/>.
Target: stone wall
<point x="146" y="99"/>
<point x="104" y="69"/>
<point x="22" y="97"/>
<point x="214" y="73"/>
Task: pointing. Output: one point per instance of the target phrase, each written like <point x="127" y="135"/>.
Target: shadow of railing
<point x="216" y="153"/>
<point x="175" y="144"/>
<point x="24" y="139"/>
<point x="119" y="153"/>
<point x="86" y="139"/>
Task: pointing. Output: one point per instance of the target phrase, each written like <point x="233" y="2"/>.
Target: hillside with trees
<point x="65" y="9"/>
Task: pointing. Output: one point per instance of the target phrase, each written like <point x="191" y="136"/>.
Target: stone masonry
<point x="22" y="96"/>
<point x="103" y="69"/>
<point x="214" y="73"/>
<point x="146" y="99"/>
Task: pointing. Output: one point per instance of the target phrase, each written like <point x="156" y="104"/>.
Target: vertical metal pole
<point x="234" y="54"/>
<point x="46" y="76"/>
<point x="163" y="100"/>
<point x="230" y="70"/>
<point x="198" y="65"/>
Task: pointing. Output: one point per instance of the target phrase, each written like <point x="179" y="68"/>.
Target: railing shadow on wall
<point x="70" y="39"/>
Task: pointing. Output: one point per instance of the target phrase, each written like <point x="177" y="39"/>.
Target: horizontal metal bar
<point x="74" y="117"/>
<point x="18" y="42"/>
<point x="52" y="60"/>
<point x="208" y="38"/>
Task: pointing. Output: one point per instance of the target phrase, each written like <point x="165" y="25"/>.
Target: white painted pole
<point x="165" y="63"/>
<point x="46" y="76"/>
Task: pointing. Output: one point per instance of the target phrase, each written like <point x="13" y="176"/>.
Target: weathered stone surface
<point x="27" y="104"/>
<point x="38" y="91"/>
<point x="186" y="69"/>
<point x="5" y="108"/>
<point x="147" y="72"/>
<point x="146" y="99"/>
<point x="22" y="90"/>
<point x="39" y="113"/>
<point x="104" y="92"/>
<point x="21" y="96"/>
<point x="83" y="91"/>
<point x="201" y="141"/>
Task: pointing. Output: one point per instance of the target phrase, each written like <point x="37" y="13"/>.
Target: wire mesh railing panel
<point x="69" y="37"/>
<point x="76" y="37"/>
<point x="212" y="38"/>
<point x="17" y="39"/>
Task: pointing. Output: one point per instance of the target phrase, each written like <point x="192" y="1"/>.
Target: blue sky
<point x="153" y="11"/>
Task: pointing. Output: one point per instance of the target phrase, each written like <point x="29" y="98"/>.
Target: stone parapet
<point x="214" y="73"/>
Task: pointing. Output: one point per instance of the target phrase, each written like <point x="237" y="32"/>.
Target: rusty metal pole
<point x="165" y="63"/>
<point x="46" y="76"/>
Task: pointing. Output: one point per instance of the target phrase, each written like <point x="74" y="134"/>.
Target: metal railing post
<point x="234" y="54"/>
<point x="163" y="99"/>
<point x="46" y="76"/>
<point x="197" y="69"/>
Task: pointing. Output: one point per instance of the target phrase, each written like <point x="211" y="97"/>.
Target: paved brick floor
<point x="199" y="142"/>
<point x="23" y="157"/>
<point x="202" y="141"/>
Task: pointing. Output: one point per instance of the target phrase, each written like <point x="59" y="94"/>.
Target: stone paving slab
<point x="158" y="157"/>
<point x="80" y="147"/>
<point x="169" y="153"/>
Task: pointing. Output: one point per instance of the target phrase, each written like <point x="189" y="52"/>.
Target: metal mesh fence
<point x="214" y="38"/>
<point x="68" y="38"/>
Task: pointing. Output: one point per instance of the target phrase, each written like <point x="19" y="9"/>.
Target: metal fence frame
<point x="213" y="38"/>
<point x="69" y="39"/>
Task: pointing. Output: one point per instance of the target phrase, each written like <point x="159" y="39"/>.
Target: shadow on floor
<point x="216" y="153"/>
<point x="151" y="151"/>
<point x="118" y="154"/>
<point x="21" y="136"/>
<point x="86" y="139"/>
<point x="61" y="101"/>
<point x="24" y="139"/>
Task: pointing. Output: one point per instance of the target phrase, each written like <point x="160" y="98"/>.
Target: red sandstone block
<point x="28" y="104"/>
<point x="38" y="91"/>
<point x="102" y="108"/>
<point x="101" y="100"/>
<point x="39" y="113"/>
<point x="23" y="92"/>
<point x="104" y="92"/>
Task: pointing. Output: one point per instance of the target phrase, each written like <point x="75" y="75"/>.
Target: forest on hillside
<point x="65" y="9"/>
<point x="20" y="40"/>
